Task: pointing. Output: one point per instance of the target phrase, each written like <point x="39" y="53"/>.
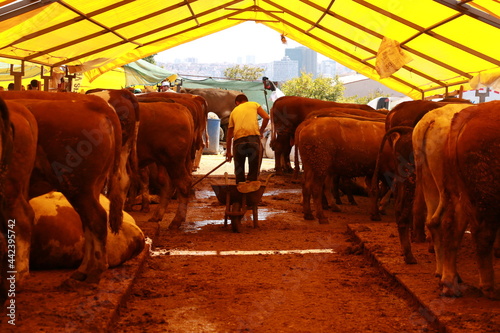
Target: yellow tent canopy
<point x="419" y="48"/>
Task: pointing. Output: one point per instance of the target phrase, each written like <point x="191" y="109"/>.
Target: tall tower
<point x="307" y="58"/>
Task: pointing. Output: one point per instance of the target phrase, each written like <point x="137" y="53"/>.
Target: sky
<point x="248" y="38"/>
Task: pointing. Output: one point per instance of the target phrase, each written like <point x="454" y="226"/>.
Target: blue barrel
<point x="213" y="127"/>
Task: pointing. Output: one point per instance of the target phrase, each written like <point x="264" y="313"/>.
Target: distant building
<point x="328" y="68"/>
<point x="250" y="59"/>
<point x="307" y="59"/>
<point x="361" y="86"/>
<point x="283" y="70"/>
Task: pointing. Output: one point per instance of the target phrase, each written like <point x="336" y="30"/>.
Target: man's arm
<point x="229" y="143"/>
<point x="265" y="119"/>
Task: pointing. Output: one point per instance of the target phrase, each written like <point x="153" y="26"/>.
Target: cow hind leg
<point x="23" y="217"/>
<point x="306" y="195"/>
<point x="94" y="223"/>
<point x="182" y="182"/>
<point x="403" y="214"/>
<point x="331" y="192"/>
<point x="496" y="246"/>
<point x="317" y="192"/>
<point x="453" y="228"/>
<point x="166" y="194"/>
<point x="484" y="237"/>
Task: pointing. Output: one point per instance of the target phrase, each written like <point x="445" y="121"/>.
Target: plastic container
<point x="213" y="127"/>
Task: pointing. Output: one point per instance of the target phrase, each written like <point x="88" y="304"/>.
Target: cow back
<point x="473" y="154"/>
<point x="166" y="132"/>
<point x="344" y="146"/>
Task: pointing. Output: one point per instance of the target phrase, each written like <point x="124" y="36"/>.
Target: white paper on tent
<point x="489" y="79"/>
<point x="390" y="58"/>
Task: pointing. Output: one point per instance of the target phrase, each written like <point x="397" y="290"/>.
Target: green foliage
<point x="244" y="72"/>
<point x="150" y="59"/>
<point x="324" y="88"/>
<point x="363" y="100"/>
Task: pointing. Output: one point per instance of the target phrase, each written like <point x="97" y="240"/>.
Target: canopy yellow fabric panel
<point x="448" y="41"/>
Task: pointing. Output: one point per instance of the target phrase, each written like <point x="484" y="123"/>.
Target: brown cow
<point x="6" y="146"/>
<point x="166" y="138"/>
<point x="334" y="181"/>
<point x="399" y="127"/>
<point x="58" y="239"/>
<point x="125" y="105"/>
<point x="79" y="143"/>
<point x="464" y="162"/>
<point x="429" y="138"/>
<point x="198" y="107"/>
<point x="286" y="114"/>
<point x="334" y="145"/>
<point x="127" y="108"/>
<point x="17" y="214"/>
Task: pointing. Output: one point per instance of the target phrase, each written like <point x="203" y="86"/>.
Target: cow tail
<point x="296" y="171"/>
<point x="114" y="192"/>
<point x="374" y="188"/>
<point x="273" y="131"/>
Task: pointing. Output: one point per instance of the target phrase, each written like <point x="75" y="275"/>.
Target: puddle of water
<point x="264" y="214"/>
<point x="283" y="191"/>
<point x="204" y="194"/>
<point x="197" y="225"/>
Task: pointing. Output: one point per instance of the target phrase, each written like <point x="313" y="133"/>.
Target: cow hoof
<point x="451" y="292"/>
<point x="491" y="293"/>
<point x="323" y="221"/>
<point x="375" y="217"/>
<point x="82" y="287"/>
<point x="154" y="219"/>
<point x="410" y="260"/>
<point x="308" y="216"/>
<point x="78" y="276"/>
<point x="174" y="225"/>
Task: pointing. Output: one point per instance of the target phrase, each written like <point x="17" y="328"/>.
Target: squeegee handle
<point x="199" y="180"/>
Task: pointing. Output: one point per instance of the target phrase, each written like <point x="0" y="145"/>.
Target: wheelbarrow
<point x="238" y="199"/>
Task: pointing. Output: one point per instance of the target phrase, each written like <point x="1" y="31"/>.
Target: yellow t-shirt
<point x="243" y="119"/>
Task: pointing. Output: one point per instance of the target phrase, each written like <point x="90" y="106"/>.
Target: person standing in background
<point x="243" y="138"/>
<point x="35" y="85"/>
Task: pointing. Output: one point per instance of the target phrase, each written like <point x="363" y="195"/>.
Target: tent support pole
<point x="18" y="76"/>
<point x="70" y="78"/>
<point x="46" y="78"/>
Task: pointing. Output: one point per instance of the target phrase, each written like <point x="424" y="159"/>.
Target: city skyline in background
<point x="233" y="45"/>
<point x="250" y="44"/>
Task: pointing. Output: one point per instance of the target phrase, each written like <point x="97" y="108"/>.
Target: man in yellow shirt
<point x="243" y="138"/>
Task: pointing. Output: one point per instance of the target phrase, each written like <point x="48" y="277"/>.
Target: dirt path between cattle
<point x="208" y="291"/>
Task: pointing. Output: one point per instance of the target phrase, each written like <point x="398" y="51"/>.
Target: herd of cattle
<point x="106" y="142"/>
<point x="440" y="161"/>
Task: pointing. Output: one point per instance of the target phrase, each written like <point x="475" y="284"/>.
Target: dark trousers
<point x="248" y="147"/>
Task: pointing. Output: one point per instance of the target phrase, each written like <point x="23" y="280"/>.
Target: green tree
<point x="150" y="59"/>
<point x="324" y="88"/>
<point x="244" y="72"/>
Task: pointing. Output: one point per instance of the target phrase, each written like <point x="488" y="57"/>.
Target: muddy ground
<point x="200" y="279"/>
<point x="342" y="291"/>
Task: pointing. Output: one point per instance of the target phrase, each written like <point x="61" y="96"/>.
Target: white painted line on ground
<point x="165" y="252"/>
